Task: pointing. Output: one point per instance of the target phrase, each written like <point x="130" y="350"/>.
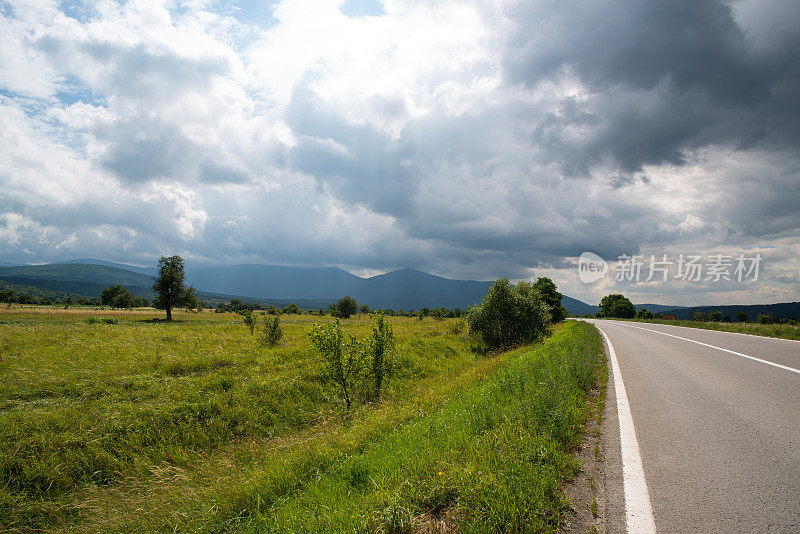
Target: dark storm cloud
<point x="359" y="163"/>
<point x="141" y="149"/>
<point x="664" y="77"/>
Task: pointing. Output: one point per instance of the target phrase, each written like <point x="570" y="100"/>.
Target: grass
<point x="782" y="331"/>
<point x="197" y="426"/>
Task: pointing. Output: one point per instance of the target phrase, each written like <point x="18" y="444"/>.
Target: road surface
<point x="711" y="439"/>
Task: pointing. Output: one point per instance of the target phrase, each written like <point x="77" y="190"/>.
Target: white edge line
<point x="722" y="331"/>
<point x="785" y="367"/>
<point x="638" y="511"/>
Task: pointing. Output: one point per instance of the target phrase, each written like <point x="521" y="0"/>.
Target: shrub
<point x="509" y="315"/>
<point x="344" y="357"/>
<point x="715" y="316"/>
<point x="765" y="318"/>
<point x="698" y="316"/>
<point x="741" y="317"/>
<point x="272" y="330"/>
<point x="249" y="319"/>
<point x="381" y="348"/>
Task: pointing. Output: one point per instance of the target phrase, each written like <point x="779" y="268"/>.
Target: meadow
<point x="115" y="421"/>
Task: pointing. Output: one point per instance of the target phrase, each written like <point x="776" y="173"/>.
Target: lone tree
<point x="617" y="305"/>
<point x="346" y="307"/>
<point x="168" y="285"/>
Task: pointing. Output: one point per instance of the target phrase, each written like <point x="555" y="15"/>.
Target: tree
<point x="741" y="317"/>
<point x="698" y="316"/>
<point x="617" y="305"/>
<point x="346" y="307"/>
<point x="644" y="313"/>
<point x="123" y="299"/>
<point x="249" y="319"/>
<point x="344" y="357"/>
<point x="168" y="285"/>
<point x="549" y="294"/>
<point x="109" y="293"/>
<point x="509" y="315"/>
<point x="715" y="316"/>
<point x="365" y="309"/>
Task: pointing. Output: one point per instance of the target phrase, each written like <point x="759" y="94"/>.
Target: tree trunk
<point x="169" y="313"/>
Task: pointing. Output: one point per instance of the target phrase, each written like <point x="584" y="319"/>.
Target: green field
<point x="783" y="331"/>
<point x="144" y="426"/>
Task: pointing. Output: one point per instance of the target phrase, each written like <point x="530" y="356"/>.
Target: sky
<point x="467" y="139"/>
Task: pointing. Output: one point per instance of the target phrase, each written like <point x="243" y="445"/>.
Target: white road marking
<point x="726" y="332"/>
<point x="786" y="367"/>
<point x="638" y="511"/>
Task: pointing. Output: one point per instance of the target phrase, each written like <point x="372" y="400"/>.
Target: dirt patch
<point x="586" y="491"/>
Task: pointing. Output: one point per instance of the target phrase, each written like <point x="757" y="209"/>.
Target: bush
<point x="381" y="348"/>
<point x="249" y="319"/>
<point x="509" y="315"/>
<point x="715" y="316"/>
<point x="272" y="330"/>
<point x="699" y="317"/>
<point x="765" y="318"/>
<point x="344" y="357"/>
<point x="741" y="317"/>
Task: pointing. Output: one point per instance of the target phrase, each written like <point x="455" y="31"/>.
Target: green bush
<point x="343" y="355"/>
<point x="272" y="330"/>
<point x="381" y="348"/>
<point x="249" y="319"/>
<point x="765" y="318"/>
<point x="509" y="315"/>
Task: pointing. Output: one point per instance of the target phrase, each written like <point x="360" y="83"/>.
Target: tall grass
<point x="146" y="426"/>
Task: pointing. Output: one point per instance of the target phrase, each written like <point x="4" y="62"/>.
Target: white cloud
<point x="471" y="139"/>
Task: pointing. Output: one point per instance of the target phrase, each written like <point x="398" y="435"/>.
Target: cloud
<point x="470" y="139"/>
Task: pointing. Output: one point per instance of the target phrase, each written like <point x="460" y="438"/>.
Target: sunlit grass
<point x="197" y="425"/>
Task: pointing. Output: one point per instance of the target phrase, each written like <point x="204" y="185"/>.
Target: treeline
<point x="22" y="294"/>
<point x="344" y="308"/>
<point x="620" y="307"/>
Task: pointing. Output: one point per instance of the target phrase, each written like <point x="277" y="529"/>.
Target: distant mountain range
<point x="311" y="287"/>
<point x="306" y="286"/>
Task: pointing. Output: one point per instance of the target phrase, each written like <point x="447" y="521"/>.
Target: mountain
<point x="12" y="264"/>
<point x="409" y="289"/>
<point x="275" y="282"/>
<point x="578" y="307"/>
<point x="315" y="287"/>
<point x="149" y="271"/>
<point x="781" y="310"/>
<point x="77" y="278"/>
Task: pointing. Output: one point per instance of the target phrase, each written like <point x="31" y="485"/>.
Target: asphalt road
<point x="717" y="433"/>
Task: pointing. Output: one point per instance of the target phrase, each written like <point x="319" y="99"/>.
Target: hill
<point x="78" y="278"/>
<point x="309" y="287"/>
